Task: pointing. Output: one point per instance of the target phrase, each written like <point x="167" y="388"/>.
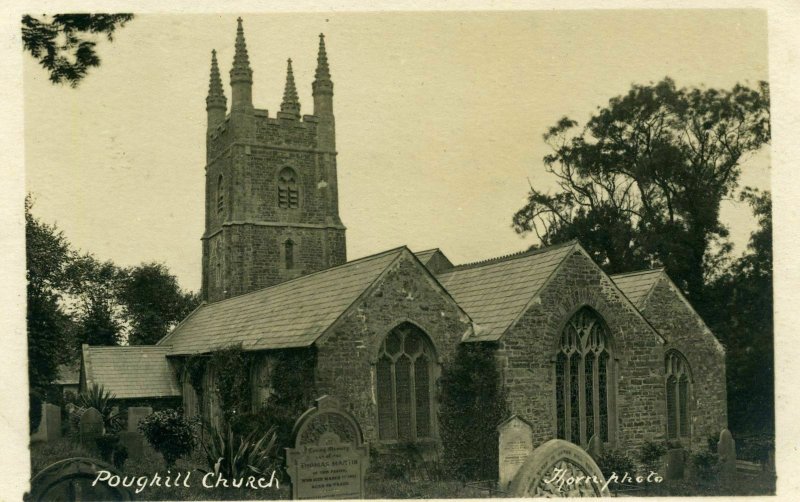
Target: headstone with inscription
<point x="726" y="451"/>
<point x="515" y="443"/>
<point x="50" y="424"/>
<point x="559" y="468"/>
<point x="329" y="459"/>
<point x="136" y="414"/>
<point x="91" y="427"/>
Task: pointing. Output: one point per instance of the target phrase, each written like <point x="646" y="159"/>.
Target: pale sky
<point x="439" y="118"/>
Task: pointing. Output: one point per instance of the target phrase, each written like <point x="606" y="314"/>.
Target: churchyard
<point x="330" y="459"/>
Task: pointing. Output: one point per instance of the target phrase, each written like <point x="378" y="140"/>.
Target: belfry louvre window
<point x="288" y="193"/>
<point x="405" y="385"/>
<point x="584" y="379"/>
<point x="220" y="194"/>
<point x="677" y="373"/>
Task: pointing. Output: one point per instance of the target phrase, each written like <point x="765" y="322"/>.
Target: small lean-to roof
<point x="291" y="314"/>
<point x="130" y="372"/>
<point x="637" y="285"/>
<point x="495" y="292"/>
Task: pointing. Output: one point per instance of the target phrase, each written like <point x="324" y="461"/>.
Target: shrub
<point x="651" y="453"/>
<point x="704" y="464"/>
<point x="236" y="456"/>
<point x="169" y="433"/>
<point x="615" y="461"/>
<point x="473" y="403"/>
<point x="111" y="450"/>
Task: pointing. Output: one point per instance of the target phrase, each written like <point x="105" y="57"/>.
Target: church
<point x="579" y="353"/>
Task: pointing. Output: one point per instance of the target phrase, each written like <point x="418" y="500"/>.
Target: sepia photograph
<point x="398" y="254"/>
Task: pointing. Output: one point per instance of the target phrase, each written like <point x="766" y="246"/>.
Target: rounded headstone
<point x="559" y="468"/>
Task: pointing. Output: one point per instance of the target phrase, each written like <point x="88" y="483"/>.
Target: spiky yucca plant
<point x="99" y="398"/>
<point x="235" y="456"/>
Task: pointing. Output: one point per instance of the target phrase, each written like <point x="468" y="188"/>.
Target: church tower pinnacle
<point x="322" y="90"/>
<point x="216" y="103"/>
<point x="241" y="74"/>
<point x="291" y="103"/>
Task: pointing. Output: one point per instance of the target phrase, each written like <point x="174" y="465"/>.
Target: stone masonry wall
<point x="686" y="333"/>
<point x="527" y="356"/>
<point x="346" y="356"/>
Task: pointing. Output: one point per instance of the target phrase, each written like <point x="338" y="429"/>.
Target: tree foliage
<point x="47" y="256"/>
<point x="641" y="183"/>
<point x="154" y="302"/>
<point x="65" y="44"/>
<point x="75" y="298"/>
<point x="738" y="308"/>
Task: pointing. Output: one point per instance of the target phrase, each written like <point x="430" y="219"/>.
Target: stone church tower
<point x="272" y="209"/>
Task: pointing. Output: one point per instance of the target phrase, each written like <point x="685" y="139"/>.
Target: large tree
<point x="738" y="308"/>
<point x="47" y="256"/>
<point x="65" y="44"/>
<point x="154" y="302"/>
<point x="641" y="183"/>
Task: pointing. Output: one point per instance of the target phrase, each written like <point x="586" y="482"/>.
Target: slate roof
<point x="426" y="255"/>
<point x="495" y="292"/>
<point x="131" y="372"/>
<point x="291" y="314"/>
<point x="637" y="285"/>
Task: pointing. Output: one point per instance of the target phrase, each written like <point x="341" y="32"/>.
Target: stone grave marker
<point x="726" y="450"/>
<point x="135" y="415"/>
<point x="595" y="447"/>
<point x="50" y="425"/>
<point x="515" y="443"/>
<point x="558" y="468"/>
<point x="91" y="427"/>
<point x="676" y="462"/>
<point x="329" y="459"/>
<point x="74" y="479"/>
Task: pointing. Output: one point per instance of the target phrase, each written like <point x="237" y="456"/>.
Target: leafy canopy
<point x="641" y="183"/>
<point x="65" y="44"/>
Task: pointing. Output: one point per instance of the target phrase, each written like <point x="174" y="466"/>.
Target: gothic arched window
<point x="405" y="380"/>
<point x="288" y="251"/>
<point x="584" y="381"/>
<point x="677" y="378"/>
<point x="288" y="192"/>
<point x="220" y="194"/>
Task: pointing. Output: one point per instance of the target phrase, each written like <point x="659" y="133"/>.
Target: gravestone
<point x="676" y="462"/>
<point x="91" y="427"/>
<point x="726" y="451"/>
<point x="50" y="425"/>
<point x="559" y="468"/>
<point x="329" y="459"/>
<point x="73" y="479"/>
<point x="136" y="414"/>
<point x="515" y="443"/>
<point x="595" y="447"/>
<point x="134" y="443"/>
